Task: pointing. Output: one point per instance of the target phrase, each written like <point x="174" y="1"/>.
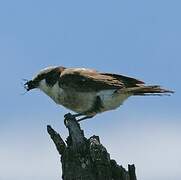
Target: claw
<point x="68" y="115"/>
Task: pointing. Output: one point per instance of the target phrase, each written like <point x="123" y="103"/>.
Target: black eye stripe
<point x="52" y="77"/>
<point x="39" y="78"/>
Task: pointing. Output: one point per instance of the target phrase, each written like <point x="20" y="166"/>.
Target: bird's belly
<point x="79" y="102"/>
<point x="82" y="102"/>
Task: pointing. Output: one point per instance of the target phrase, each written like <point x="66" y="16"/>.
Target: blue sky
<point x="135" y="38"/>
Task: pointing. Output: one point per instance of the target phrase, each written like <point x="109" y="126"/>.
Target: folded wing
<point x="90" y="80"/>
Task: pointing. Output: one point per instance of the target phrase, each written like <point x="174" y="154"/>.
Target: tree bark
<point x="86" y="159"/>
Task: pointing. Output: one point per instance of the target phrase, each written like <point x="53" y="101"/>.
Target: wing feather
<point x="85" y="80"/>
<point x="127" y="81"/>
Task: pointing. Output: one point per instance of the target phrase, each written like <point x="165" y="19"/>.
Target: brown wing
<point x="127" y="81"/>
<point x="85" y="80"/>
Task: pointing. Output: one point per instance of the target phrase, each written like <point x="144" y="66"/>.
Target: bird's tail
<point x="149" y="90"/>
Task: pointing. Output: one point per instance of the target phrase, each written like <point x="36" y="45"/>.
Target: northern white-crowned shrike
<point x="88" y="92"/>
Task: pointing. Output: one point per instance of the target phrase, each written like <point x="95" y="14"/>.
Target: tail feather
<point x="149" y="90"/>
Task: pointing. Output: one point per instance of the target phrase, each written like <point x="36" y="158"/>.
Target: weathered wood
<point x="75" y="133"/>
<point x="58" y="141"/>
<point x="86" y="159"/>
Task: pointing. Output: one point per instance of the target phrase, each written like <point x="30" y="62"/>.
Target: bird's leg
<point x="71" y="116"/>
<point x="86" y="117"/>
<point x="77" y="115"/>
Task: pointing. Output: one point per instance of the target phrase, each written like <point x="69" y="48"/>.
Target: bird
<point x="88" y="92"/>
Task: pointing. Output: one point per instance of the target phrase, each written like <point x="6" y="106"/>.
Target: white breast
<point x="54" y="92"/>
<point x="71" y="99"/>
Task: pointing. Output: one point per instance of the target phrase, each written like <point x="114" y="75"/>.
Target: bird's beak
<point x="30" y="85"/>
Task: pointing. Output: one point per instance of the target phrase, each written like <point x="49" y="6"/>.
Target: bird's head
<point x="49" y="76"/>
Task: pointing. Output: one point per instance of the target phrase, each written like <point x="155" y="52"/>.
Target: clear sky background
<point x="136" y="38"/>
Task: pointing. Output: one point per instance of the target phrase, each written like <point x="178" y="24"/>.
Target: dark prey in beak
<point x="29" y="85"/>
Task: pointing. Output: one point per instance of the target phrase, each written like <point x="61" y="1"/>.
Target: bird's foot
<point x="73" y="116"/>
<point x="68" y="116"/>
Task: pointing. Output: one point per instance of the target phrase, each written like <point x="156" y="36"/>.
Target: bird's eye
<point x="52" y="78"/>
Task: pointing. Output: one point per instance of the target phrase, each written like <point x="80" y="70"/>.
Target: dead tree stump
<point x="86" y="159"/>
